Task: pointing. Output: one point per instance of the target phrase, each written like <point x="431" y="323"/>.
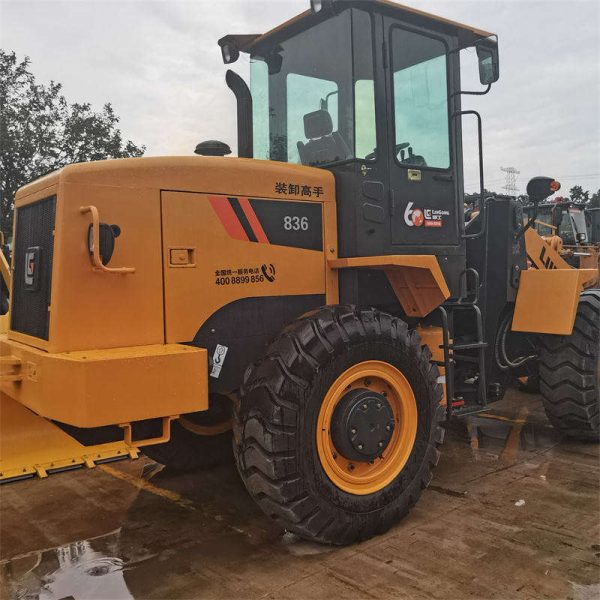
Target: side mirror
<point x="316" y="6"/>
<point x="540" y="188"/>
<point x="489" y="61"/>
<point x="230" y="53"/>
<point x="108" y="234"/>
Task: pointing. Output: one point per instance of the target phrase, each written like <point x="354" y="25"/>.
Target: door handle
<point x="392" y="202"/>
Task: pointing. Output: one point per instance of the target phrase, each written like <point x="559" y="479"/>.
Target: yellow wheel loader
<point x="321" y="293"/>
<point x="569" y="228"/>
<point x="563" y="225"/>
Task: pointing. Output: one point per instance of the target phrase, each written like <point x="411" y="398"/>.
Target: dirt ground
<point x="513" y="511"/>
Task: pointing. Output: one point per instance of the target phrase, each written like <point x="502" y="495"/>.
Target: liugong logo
<point x="430" y="217"/>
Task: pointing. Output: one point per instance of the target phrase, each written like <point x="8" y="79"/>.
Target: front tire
<point x="570" y="373"/>
<point x="332" y="378"/>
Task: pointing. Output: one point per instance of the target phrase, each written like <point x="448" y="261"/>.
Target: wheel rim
<point x="362" y="477"/>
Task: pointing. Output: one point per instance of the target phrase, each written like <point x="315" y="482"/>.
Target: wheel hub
<point x="362" y="425"/>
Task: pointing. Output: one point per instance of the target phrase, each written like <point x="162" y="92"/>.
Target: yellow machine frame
<point x="549" y="290"/>
<point x="115" y="351"/>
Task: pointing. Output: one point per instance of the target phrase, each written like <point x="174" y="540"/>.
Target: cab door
<point x="422" y="156"/>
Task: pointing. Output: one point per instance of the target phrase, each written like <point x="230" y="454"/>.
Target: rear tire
<point x="279" y="432"/>
<point x="570" y="373"/>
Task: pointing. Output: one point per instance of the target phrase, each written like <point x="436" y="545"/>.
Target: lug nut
<point x="367" y="382"/>
<point x="388" y="428"/>
<point x="334" y="455"/>
<point x="379" y="405"/>
<point x="350" y="467"/>
<point x="380" y="444"/>
<point x="365" y="406"/>
<point x="360" y="446"/>
<point x="353" y="431"/>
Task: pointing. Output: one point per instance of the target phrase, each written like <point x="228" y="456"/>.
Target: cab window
<point x="420" y="90"/>
<point x="313" y="100"/>
<point x="304" y="96"/>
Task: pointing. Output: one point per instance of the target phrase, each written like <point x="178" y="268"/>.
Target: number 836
<point x="295" y="223"/>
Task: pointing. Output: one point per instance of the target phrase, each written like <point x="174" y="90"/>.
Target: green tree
<point x="595" y="200"/>
<point x="578" y="194"/>
<point x="40" y="131"/>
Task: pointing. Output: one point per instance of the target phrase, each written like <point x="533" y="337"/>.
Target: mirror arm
<point x="471" y="93"/>
<point x="96" y="260"/>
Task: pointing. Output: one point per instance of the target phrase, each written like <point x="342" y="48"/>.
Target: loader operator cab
<point x="565" y="219"/>
<point x="369" y="90"/>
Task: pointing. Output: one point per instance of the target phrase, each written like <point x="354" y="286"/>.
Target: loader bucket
<point x="33" y="446"/>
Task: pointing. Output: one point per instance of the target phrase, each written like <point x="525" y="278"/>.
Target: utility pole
<point x="511" y="180"/>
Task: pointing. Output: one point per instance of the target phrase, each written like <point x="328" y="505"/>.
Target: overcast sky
<point x="158" y="63"/>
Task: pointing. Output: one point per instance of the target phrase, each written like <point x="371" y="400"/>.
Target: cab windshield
<point x="573" y="228"/>
<point x="313" y="100"/>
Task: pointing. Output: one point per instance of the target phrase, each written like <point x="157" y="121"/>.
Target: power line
<point x="496" y="180"/>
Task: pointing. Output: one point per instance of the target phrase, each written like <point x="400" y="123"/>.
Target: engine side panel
<point x="210" y="260"/>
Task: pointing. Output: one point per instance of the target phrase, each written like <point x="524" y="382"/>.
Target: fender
<point x="417" y="280"/>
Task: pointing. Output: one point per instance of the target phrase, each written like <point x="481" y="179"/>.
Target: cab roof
<point x="467" y="35"/>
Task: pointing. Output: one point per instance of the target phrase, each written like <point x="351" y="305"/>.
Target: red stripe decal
<point x="226" y="215"/>
<point x="259" y="232"/>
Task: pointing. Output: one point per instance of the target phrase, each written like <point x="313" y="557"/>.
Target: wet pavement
<point x="513" y="511"/>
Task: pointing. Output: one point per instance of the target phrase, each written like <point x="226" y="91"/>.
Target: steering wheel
<point x="398" y="147"/>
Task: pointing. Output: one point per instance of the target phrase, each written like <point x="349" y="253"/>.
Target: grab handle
<point x="96" y="260"/>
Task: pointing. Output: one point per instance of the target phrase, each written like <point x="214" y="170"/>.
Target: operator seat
<point x="324" y="145"/>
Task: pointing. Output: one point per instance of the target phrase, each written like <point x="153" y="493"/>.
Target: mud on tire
<point x="570" y="373"/>
<point x="275" y="424"/>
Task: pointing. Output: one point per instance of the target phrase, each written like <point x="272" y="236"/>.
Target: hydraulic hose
<point x="502" y="360"/>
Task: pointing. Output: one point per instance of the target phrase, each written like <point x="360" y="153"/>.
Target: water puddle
<point x="78" y="571"/>
<point x="491" y="437"/>
<point x="585" y="592"/>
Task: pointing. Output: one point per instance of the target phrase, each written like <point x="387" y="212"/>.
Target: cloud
<point x="160" y="66"/>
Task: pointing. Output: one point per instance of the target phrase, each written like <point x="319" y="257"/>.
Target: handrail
<point x="482" y="203"/>
<point x="4" y="269"/>
<point x="96" y="260"/>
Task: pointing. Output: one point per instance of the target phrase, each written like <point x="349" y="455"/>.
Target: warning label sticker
<point x="218" y="360"/>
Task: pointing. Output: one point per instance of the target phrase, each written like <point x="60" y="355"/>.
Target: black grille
<point x="33" y="244"/>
